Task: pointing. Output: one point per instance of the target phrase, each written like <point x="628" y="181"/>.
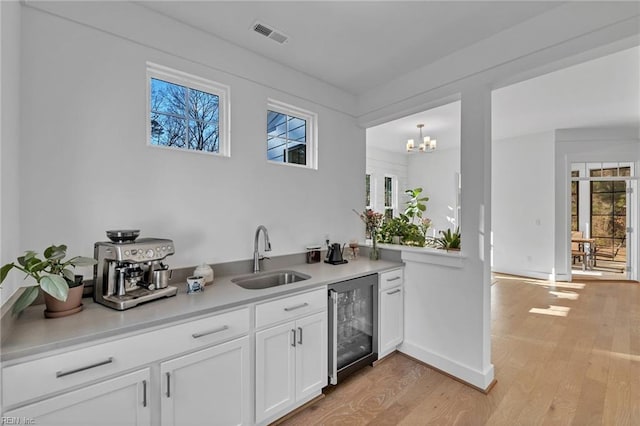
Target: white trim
<point x="394" y="193"/>
<point x="479" y="379"/>
<point x="198" y="83"/>
<point x="311" y="119"/>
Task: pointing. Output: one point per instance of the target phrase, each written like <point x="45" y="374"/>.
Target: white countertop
<point x="33" y="335"/>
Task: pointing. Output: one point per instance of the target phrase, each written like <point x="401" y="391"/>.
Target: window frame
<point x="394" y="195"/>
<point x="368" y="186"/>
<point x="575" y="189"/>
<point x="311" y="136"/>
<point x="190" y="81"/>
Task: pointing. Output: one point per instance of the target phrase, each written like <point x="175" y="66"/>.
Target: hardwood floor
<point x="554" y="366"/>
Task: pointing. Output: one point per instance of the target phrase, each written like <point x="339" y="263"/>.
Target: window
<point x="389" y="197"/>
<point x="609" y="208"/>
<point x="575" y="201"/>
<point x="367" y="185"/>
<point x="291" y="135"/>
<point x="187" y="112"/>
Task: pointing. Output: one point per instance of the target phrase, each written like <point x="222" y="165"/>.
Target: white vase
<point x="206" y="271"/>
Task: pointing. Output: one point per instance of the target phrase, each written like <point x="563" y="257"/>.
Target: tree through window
<point x="186" y="113"/>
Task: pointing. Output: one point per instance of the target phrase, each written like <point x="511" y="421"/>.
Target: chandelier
<point x="426" y="143"/>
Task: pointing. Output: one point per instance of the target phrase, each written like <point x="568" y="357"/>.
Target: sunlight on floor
<point x="571" y="295"/>
<point x="587" y="273"/>
<point x="556" y="311"/>
<point x="620" y="355"/>
<point x="576" y="286"/>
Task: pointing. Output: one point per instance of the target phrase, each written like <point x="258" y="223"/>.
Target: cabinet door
<point x="311" y="354"/>
<point x="210" y="386"/>
<point x="275" y="370"/>
<point x="391" y="319"/>
<point x="121" y="401"/>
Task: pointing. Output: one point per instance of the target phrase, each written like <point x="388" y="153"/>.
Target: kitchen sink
<point x="269" y="279"/>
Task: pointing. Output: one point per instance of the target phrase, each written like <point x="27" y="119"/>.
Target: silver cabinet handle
<point x="393" y="279"/>
<point x="206" y="333"/>
<point x="86" y="367"/>
<point x="293" y="308"/>
<point x="168" y="385"/>
<point x="293" y="341"/>
<point x="300" y="337"/>
<point x="144" y="393"/>
<point x="394" y="291"/>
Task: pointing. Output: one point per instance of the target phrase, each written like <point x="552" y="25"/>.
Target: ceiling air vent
<point x="268" y="32"/>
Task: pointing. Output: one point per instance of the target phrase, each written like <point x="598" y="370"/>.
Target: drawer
<point x="391" y="278"/>
<point x="33" y="379"/>
<point x="291" y="307"/>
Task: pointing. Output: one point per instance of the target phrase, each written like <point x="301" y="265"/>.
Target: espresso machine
<point x="131" y="271"/>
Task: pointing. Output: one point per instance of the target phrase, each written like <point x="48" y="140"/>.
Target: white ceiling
<point x="354" y="45"/>
<point x="602" y="92"/>
<point x="359" y="45"/>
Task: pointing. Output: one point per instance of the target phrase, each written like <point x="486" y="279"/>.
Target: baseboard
<point x="482" y="381"/>
<point x="528" y="274"/>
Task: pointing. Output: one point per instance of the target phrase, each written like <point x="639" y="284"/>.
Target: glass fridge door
<point x="355" y="325"/>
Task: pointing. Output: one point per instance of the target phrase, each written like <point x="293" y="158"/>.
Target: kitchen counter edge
<point x="33" y="336"/>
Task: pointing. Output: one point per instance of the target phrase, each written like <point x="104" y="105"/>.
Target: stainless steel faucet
<point x="267" y="247"/>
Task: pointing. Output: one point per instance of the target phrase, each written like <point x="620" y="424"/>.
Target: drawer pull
<point x="206" y="333"/>
<point x="293" y="308"/>
<point x="394" y="291"/>
<point x="86" y="367"/>
<point x="393" y="279"/>
<point x="144" y="393"/>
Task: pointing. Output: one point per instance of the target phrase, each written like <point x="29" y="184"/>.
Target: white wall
<point x="523" y="205"/>
<point x="436" y="174"/>
<point x="84" y="136"/>
<point x="379" y="164"/>
<point x="10" y="17"/>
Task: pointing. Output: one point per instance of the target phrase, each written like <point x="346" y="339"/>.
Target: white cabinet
<point x="123" y="400"/>
<point x="311" y="355"/>
<point x="211" y="385"/>
<point x="391" y="309"/>
<point x="291" y="358"/>
<point x="208" y="377"/>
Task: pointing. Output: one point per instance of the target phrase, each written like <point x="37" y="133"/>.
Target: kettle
<point x="334" y="254"/>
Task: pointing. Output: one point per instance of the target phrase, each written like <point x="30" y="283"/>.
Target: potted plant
<point x="398" y="230"/>
<point x="416" y="204"/>
<point x="450" y="240"/>
<point x="62" y="291"/>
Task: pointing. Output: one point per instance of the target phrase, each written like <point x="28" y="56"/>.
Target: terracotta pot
<point x="57" y="308"/>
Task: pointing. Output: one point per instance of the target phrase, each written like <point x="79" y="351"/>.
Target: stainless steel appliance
<point x="131" y="271"/>
<point x="353" y="326"/>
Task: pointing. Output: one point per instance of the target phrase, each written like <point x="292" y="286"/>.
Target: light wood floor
<point x="578" y="369"/>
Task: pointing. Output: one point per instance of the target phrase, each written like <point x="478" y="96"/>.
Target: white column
<point x="447" y="295"/>
<point x="475" y="164"/>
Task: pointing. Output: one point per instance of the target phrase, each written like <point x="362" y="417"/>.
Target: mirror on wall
<point x="421" y="150"/>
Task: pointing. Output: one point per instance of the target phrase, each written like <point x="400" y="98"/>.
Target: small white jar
<point x="205" y="271"/>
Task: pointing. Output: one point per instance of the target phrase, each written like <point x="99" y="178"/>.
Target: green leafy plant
<point x="450" y="240"/>
<point x="416" y="204"/>
<point x="52" y="274"/>
<point x="409" y="233"/>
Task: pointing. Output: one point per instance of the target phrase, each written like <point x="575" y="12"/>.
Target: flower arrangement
<point x="372" y="221"/>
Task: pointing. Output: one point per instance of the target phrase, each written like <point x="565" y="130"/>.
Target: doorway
<point x="602" y="205"/>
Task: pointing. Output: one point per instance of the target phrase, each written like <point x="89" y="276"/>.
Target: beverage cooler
<point x="353" y="326"/>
